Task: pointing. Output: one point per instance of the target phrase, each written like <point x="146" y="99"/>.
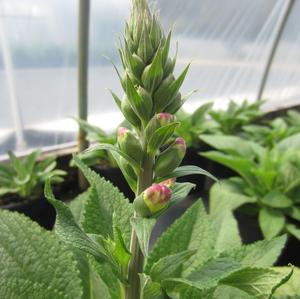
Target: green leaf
<point x="259" y="254"/>
<point x="112" y="148"/>
<point x="77" y="205"/>
<point x="116" y="98"/>
<point x="228" y="195"/>
<point x="94" y="133"/>
<point x="293" y="230"/>
<point x="34" y="263"/>
<point x="180" y="191"/>
<point x="68" y="230"/>
<point x="276" y="199"/>
<point x="289" y="143"/>
<point x="143" y="228"/>
<point x="242" y="166"/>
<point x="205" y="277"/>
<point x="271" y="222"/>
<point x="112" y="199"/>
<point x="169" y="266"/>
<point x="161" y="136"/>
<point x="150" y="289"/>
<point x="258" y="282"/>
<point x="291" y="289"/>
<point x="187" y="170"/>
<point x="230" y="144"/>
<point x="95" y="217"/>
<point x="192" y="231"/>
<point x="227" y="234"/>
<point x="114" y="286"/>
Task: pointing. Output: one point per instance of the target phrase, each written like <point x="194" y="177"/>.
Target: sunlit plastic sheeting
<point x="283" y="85"/>
<point x="227" y="42"/>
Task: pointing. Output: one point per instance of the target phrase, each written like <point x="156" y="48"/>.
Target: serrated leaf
<point x="112" y="199"/>
<point x="271" y="222"/>
<point x="68" y="230"/>
<point x="187" y="170"/>
<point x="168" y="266"/>
<point x="161" y="136"/>
<point x="228" y="195"/>
<point x="77" y="205"/>
<point x="258" y="282"/>
<point x="259" y="254"/>
<point x="34" y="263"/>
<point x="143" y="228"/>
<point x="192" y="231"/>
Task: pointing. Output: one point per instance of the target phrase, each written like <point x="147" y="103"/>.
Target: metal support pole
<point x="83" y="49"/>
<point x="277" y="36"/>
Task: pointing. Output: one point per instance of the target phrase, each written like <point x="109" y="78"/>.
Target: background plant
<point x="26" y="177"/>
<point x="269" y="180"/>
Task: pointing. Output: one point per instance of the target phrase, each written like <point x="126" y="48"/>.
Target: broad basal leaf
<point x="34" y="263"/>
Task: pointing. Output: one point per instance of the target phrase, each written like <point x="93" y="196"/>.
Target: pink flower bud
<point x="180" y="144"/>
<point x="121" y="133"/>
<point x="164" y="118"/>
<point x="169" y="182"/>
<point x="156" y="197"/>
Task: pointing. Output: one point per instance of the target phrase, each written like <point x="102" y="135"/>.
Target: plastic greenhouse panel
<point x="228" y="43"/>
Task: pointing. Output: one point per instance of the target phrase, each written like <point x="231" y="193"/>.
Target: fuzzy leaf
<point x="180" y="191"/>
<point x="260" y="283"/>
<point x="259" y="254"/>
<point x="168" y="266"/>
<point x="68" y="230"/>
<point x="112" y="199"/>
<point x="34" y="263"/>
<point x="143" y="228"/>
<point x="192" y="231"/>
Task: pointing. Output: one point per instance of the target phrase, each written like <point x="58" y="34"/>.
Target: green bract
<point x="26" y="177"/>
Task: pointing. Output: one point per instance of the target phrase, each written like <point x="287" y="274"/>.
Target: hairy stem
<point x="136" y="264"/>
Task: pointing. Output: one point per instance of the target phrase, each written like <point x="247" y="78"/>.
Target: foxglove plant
<point x="104" y="240"/>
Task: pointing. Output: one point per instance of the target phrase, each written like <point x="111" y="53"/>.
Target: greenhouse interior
<point x="149" y="149"/>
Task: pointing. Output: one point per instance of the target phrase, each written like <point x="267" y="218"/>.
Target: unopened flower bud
<point x="157" y="121"/>
<point x="129" y="144"/>
<point x="152" y="200"/>
<point x="169" y="182"/>
<point x="171" y="158"/>
<point x="156" y="197"/>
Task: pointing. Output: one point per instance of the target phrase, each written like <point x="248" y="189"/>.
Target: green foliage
<point x="33" y="263"/>
<point x="26" y="177"/>
<point x="269" y="179"/>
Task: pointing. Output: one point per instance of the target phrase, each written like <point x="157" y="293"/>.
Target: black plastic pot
<point x="115" y="176"/>
<point x="39" y="210"/>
